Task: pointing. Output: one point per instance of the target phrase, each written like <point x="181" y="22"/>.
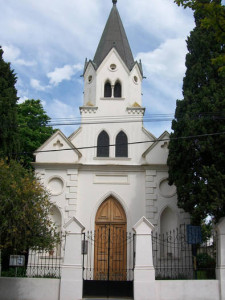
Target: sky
<point x="47" y="41"/>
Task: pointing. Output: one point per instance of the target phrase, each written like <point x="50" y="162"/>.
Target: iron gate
<point x="108" y="262"/>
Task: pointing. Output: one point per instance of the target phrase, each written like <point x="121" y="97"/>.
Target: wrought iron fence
<point x="178" y="255"/>
<point x="35" y="263"/>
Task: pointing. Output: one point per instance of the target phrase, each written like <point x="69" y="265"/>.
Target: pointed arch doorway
<point x="110" y="251"/>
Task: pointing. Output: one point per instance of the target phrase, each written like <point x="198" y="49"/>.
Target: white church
<point x="100" y="175"/>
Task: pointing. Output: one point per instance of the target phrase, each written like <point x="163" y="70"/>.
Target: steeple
<point x="114" y="35"/>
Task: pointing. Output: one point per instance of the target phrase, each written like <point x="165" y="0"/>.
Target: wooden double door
<point x="110" y="242"/>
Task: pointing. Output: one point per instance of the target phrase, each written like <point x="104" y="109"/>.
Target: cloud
<point x="164" y="68"/>
<point x="12" y="54"/>
<point x="47" y="32"/>
<point x="167" y="60"/>
<point x="64" y="73"/>
<point x="162" y="18"/>
<point x="58" y="110"/>
<point x="36" y="85"/>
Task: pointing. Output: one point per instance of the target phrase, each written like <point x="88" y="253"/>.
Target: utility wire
<point x="133" y="143"/>
<point x="126" y="119"/>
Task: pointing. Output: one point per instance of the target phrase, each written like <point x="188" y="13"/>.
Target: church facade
<point x="111" y="171"/>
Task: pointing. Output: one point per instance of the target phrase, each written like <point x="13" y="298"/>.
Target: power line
<point x="133" y="143"/>
<point x="127" y="119"/>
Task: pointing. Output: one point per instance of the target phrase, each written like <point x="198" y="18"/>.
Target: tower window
<point x="103" y="144"/>
<point x="117" y="90"/>
<point x="107" y="90"/>
<point x="121" y="145"/>
<point x="113" y="67"/>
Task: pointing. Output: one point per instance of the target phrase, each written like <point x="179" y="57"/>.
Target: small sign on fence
<point x="194" y="235"/>
<point x="17" y="260"/>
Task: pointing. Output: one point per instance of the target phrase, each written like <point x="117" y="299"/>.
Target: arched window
<point x="103" y="144"/>
<point x="121" y="145"/>
<point x="117" y="90"/>
<point x="107" y="90"/>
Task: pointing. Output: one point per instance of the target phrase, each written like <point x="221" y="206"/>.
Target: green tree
<point x="214" y="18"/>
<point x="9" y="141"/>
<point x="197" y="165"/>
<point x="24" y="210"/>
<point x="33" y="128"/>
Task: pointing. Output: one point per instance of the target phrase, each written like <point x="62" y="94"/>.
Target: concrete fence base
<point x="29" y="288"/>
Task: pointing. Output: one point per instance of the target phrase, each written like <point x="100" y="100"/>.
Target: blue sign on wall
<point x="194" y="235"/>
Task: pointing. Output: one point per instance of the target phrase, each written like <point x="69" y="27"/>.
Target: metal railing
<point x="176" y="257"/>
<point x="38" y="263"/>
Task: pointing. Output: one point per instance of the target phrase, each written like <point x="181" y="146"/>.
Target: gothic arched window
<point x="107" y="90"/>
<point x="117" y="90"/>
<point x="121" y="145"/>
<point x="103" y="144"/>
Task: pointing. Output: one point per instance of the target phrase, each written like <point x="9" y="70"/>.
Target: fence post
<point x="71" y="276"/>
<point x="221" y="257"/>
<point x="144" y="272"/>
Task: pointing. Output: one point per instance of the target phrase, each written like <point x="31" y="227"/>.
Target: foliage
<point x="24" y="210"/>
<point x="9" y="140"/>
<point x="205" y="261"/>
<point x="14" y="272"/>
<point x="33" y="128"/>
<point x="214" y="18"/>
<point x="206" y="265"/>
<point x="197" y="165"/>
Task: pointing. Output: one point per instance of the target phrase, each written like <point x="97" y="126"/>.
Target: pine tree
<point x="197" y="165"/>
<point x="9" y="142"/>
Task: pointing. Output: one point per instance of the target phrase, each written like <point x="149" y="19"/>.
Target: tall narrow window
<point x="107" y="90"/>
<point x="121" y="145"/>
<point x="103" y="144"/>
<point x="117" y="90"/>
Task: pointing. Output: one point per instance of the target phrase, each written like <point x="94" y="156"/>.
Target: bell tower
<point x="113" y="80"/>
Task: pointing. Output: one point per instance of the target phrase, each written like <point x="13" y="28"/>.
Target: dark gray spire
<point x="114" y="35"/>
<point x="114" y="1"/>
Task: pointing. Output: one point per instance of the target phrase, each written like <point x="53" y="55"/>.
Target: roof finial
<point x="114" y="2"/>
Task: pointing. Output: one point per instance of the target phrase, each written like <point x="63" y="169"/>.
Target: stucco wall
<point x="187" y="290"/>
<point x="48" y="289"/>
<point x="29" y="289"/>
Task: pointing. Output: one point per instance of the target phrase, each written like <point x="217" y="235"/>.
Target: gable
<point x="157" y="153"/>
<point x="57" y="149"/>
<point x="114" y="57"/>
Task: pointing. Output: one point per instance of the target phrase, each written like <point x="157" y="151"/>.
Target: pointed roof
<point x="114" y="35"/>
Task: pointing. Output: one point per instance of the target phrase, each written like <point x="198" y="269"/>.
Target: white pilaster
<point x="71" y="277"/>
<point x="144" y="272"/>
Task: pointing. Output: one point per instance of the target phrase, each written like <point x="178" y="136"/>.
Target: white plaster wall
<point x="159" y="196"/>
<point x="89" y="134"/>
<point x="158" y="154"/>
<point x="66" y="199"/>
<point x="90" y="86"/>
<point x="126" y="186"/>
<point x="48" y="153"/>
<point x="186" y="290"/>
<point x="29" y="289"/>
<point x="131" y="91"/>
